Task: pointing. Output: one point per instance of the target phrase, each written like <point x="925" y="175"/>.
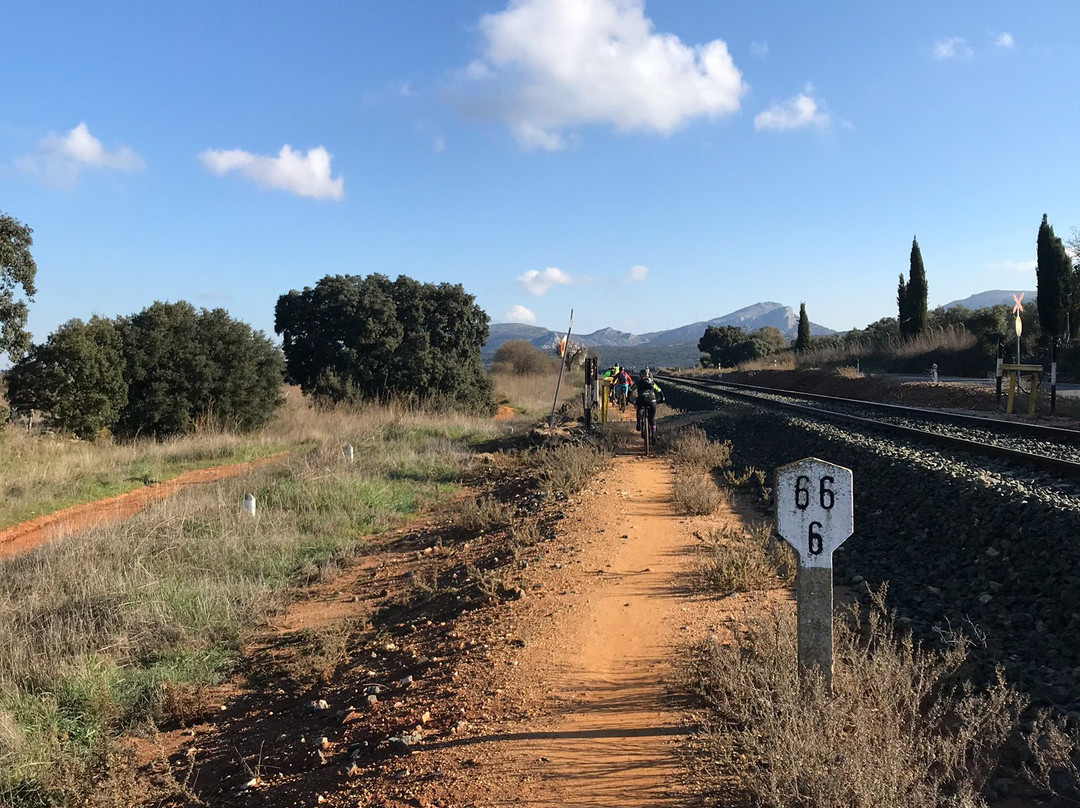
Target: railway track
<point x="1047" y="448"/>
<point x="970" y="528"/>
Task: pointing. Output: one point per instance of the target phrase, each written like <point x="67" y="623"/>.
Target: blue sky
<point x="648" y="164"/>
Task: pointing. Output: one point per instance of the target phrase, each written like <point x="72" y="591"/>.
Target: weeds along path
<point x="596" y="723"/>
<point x="27" y="535"/>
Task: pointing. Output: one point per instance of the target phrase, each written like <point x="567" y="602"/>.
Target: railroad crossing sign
<point x="815" y="514"/>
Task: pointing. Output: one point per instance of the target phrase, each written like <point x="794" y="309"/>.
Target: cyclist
<point x="623" y="381"/>
<point x="648" y="396"/>
<point x="609" y="382"/>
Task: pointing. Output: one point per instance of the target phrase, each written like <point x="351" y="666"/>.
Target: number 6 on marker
<point x="814" y="526"/>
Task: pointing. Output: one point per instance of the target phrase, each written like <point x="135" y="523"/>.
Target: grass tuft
<point x="738" y="560"/>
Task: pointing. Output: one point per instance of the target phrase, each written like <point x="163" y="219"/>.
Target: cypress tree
<point x="1053" y="272"/>
<point x="902" y="305"/>
<point x="917" y="291"/>
<point x="802" y="341"/>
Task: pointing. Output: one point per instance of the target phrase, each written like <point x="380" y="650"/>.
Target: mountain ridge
<point x="751" y="318"/>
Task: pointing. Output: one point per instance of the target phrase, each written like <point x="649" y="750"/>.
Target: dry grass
<point x="532" y="395"/>
<point x="738" y="560"/>
<point x="695" y="494"/>
<point x="901" y="727"/>
<point x="567" y="468"/>
<point x="780" y="361"/>
<point x="103" y="632"/>
<point x="691" y="449"/>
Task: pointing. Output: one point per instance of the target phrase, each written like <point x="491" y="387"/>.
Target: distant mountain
<point x="994" y="297"/>
<point x="749" y="318"/>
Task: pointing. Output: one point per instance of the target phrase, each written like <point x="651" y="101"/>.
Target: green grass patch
<point x="109" y="632"/>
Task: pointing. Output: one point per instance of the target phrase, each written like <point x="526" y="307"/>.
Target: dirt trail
<point x="597" y="726"/>
<point x="27" y="535"/>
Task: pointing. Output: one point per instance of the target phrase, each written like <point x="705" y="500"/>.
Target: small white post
<point x="347" y="451"/>
<point x="249" y="504"/>
<point x="933" y="372"/>
<point x="814" y="513"/>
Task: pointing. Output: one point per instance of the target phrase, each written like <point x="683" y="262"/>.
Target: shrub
<point x="75" y="379"/>
<point x="691" y="448"/>
<point x="184" y="366"/>
<point x="565" y="469"/>
<point x="352" y="338"/>
<point x="901" y="728"/>
<point x="695" y="494"/>
<point x="522" y="359"/>
<point x="739" y="560"/>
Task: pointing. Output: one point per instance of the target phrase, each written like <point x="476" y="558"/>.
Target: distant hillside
<point x="682" y="340"/>
<point x="995" y="297"/>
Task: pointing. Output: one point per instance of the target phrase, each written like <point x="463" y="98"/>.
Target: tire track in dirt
<point x="27" y="535"/>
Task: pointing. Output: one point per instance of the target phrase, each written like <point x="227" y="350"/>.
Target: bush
<point x="691" y="448"/>
<point x="75" y="379"/>
<point x="745" y="561"/>
<point x="695" y="495"/>
<point x="184" y="367"/>
<point x="901" y="728"/>
<point x="522" y="359"/>
<point x="352" y="338"/>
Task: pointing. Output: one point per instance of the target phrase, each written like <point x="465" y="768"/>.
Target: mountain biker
<point x="648" y="396"/>
<point x="622" y="383"/>
<point x="609" y="381"/>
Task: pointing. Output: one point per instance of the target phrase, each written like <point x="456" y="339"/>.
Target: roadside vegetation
<point x="108" y="632"/>
<point x="902" y="725"/>
<point x="525" y="378"/>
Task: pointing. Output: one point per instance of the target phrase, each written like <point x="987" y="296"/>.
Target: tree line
<point x="171" y="367"/>
<point x="1054" y="317"/>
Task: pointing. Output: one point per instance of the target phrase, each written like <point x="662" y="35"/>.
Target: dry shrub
<point x="482" y="515"/>
<point x="695" y="494"/>
<point x="566" y="469"/>
<point x="900" y="729"/>
<point x="738" y="560"/>
<point x="692" y="448"/>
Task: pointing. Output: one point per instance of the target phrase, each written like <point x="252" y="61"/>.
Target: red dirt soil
<point x="27" y="535"/>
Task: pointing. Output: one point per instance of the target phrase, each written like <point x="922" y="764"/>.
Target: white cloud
<point x="1004" y="40"/>
<point x="795" y="113"/>
<point x="1015" y="266"/>
<point x="637" y="274"/>
<point x="294" y="171"/>
<point x="952" y="47"/>
<point x="552" y="64"/>
<point x="759" y="49"/>
<point x="536" y="282"/>
<point x="519" y="314"/>
<point x="60" y="160"/>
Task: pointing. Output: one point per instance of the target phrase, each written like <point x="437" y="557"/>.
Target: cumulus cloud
<point x="305" y="174"/>
<point x="637" y="274"/>
<point x="536" y="282"/>
<point x="952" y="47"/>
<point x="61" y="159"/>
<point x="794" y="113"/>
<point x="552" y="64"/>
<point x="519" y="314"/>
<point x="1004" y="40"/>
<point x="759" y="49"/>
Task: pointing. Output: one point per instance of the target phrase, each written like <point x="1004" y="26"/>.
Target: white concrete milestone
<point x="814" y="510"/>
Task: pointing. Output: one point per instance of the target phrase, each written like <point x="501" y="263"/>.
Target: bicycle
<point x="645" y="427"/>
<point x="620" y="398"/>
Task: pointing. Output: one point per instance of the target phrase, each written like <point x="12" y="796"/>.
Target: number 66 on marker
<point x="814" y="510"/>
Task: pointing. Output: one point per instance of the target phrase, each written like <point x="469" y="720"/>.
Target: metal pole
<point x="562" y="364"/>
<point x="1053" y="380"/>
<point x="998" y="371"/>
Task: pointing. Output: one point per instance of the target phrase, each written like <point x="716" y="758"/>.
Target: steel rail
<point x="1043" y="462"/>
<point x="1040" y="431"/>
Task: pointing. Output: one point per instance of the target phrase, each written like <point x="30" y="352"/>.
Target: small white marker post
<point x="814" y="513"/>
<point x="249" y="504"/>
<point x="347" y="452"/>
